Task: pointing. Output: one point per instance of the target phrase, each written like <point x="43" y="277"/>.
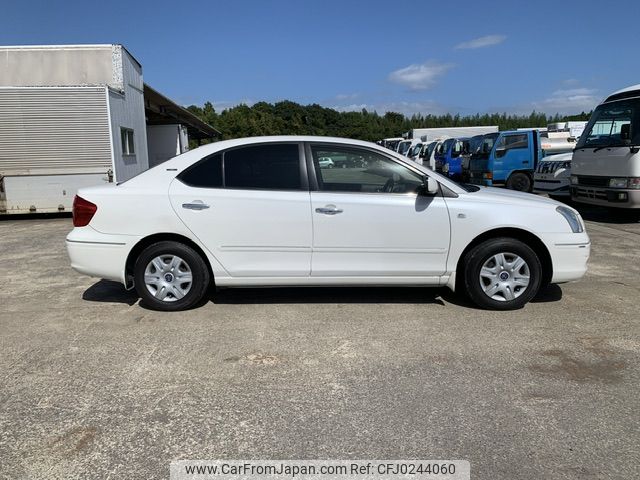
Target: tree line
<point x="290" y="118"/>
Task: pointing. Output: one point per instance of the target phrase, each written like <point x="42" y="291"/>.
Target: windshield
<point x="430" y="148"/>
<point x="444" y="147"/>
<point x="404" y="146"/>
<point x="606" y="123"/>
<point x="485" y="145"/>
<point x="475" y="143"/>
<point x="415" y="150"/>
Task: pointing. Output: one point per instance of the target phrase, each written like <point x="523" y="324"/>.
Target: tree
<point x="290" y="118"/>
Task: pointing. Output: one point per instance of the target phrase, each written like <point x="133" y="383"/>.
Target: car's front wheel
<point x="502" y="274"/>
<point x="171" y="276"/>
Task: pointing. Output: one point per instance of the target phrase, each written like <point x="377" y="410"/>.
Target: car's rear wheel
<point x="171" y="276"/>
<point x="519" y="181"/>
<point x="502" y="274"/>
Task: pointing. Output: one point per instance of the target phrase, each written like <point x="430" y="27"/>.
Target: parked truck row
<point x="596" y="163"/>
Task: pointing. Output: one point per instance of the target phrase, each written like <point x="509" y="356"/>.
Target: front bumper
<point x="476" y="179"/>
<point x="606" y="197"/>
<point x="569" y="256"/>
<point x="99" y="255"/>
<point x="556" y="187"/>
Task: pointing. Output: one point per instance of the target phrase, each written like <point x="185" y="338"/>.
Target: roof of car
<point x="282" y="138"/>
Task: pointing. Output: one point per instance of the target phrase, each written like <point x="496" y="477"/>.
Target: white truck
<point x="606" y="161"/>
<point x="430" y="134"/>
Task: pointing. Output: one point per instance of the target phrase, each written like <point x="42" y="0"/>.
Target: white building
<point x="73" y="116"/>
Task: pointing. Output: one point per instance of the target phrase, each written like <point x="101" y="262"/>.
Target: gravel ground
<point x="95" y="386"/>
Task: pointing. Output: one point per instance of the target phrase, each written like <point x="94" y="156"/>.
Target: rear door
<point x="250" y="207"/>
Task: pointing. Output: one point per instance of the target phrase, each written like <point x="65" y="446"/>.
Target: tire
<point x="489" y="279"/>
<point x="162" y="273"/>
<point x="519" y="181"/>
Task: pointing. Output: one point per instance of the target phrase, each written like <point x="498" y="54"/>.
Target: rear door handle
<point x="195" y="205"/>
<point x="329" y="210"/>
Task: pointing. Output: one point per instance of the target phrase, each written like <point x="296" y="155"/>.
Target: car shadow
<point x="106" y="291"/>
<point x="34" y="216"/>
<point x="299" y="295"/>
<point x="550" y="293"/>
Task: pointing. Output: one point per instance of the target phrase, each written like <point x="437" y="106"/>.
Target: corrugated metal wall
<point x="54" y="130"/>
<point x="127" y="111"/>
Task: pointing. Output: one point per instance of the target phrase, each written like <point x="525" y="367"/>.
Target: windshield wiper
<point x="601" y="147"/>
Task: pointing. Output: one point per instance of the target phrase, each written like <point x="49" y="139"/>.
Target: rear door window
<point x="207" y="173"/>
<point x="265" y="167"/>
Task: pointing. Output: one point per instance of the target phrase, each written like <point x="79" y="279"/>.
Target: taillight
<point x="83" y="211"/>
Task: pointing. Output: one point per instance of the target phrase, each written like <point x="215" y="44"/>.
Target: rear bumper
<point x="606" y="197"/>
<point x="99" y="255"/>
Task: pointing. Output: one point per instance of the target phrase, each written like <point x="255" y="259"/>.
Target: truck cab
<point x="509" y="162"/>
<point x="425" y="157"/>
<point x="448" y="157"/>
<point x="605" y="169"/>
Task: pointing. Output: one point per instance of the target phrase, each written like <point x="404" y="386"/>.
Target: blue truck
<point x="448" y="156"/>
<point x="510" y="158"/>
<point x="508" y="161"/>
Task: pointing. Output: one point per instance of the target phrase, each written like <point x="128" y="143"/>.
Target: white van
<point x="606" y="162"/>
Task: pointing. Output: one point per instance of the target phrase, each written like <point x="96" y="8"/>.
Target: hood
<point x="506" y="196"/>
<point x="561" y="157"/>
<point x="610" y="162"/>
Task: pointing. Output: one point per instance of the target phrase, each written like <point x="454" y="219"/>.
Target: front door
<point x="369" y="222"/>
<point x="512" y="153"/>
<point x="250" y="207"/>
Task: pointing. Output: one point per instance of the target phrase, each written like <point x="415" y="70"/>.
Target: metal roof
<point x="161" y="110"/>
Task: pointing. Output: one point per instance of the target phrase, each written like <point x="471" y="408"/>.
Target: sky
<point x="405" y="56"/>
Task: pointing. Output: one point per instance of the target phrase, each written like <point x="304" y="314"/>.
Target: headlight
<point x="572" y="218"/>
<point x="618" y="183"/>
<point x="574" y="180"/>
<point x="634" y="182"/>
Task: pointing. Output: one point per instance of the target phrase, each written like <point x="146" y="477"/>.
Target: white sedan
<point x="261" y="212"/>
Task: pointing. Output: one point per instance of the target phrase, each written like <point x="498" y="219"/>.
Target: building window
<point x="128" y="145"/>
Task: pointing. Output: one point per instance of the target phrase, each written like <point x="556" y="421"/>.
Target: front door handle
<point x="329" y="210"/>
<point x="195" y="205"/>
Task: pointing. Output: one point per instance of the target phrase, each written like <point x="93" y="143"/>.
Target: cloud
<point x="486" y="41"/>
<point x="347" y="96"/>
<point x="406" y="108"/>
<point x="220" y="105"/>
<point x="571" y="82"/>
<point x="420" y="76"/>
<point x="571" y="100"/>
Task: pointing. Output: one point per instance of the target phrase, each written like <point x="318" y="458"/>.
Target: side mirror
<point x="625" y="133"/>
<point x="430" y="187"/>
